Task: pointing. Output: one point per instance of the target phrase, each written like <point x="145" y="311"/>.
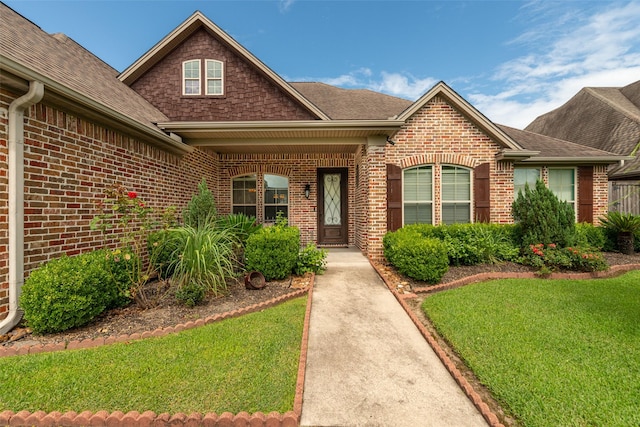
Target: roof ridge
<point x="633" y="115"/>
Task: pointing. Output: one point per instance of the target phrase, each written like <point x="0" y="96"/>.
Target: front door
<point x="332" y="207"/>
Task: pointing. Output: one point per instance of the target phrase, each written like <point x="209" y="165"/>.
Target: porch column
<point x="377" y="192"/>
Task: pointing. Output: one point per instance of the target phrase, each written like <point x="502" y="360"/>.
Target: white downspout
<point x="16" y="200"/>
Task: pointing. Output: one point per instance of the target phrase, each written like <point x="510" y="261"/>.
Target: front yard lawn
<point x="248" y="364"/>
<point x="552" y="352"/>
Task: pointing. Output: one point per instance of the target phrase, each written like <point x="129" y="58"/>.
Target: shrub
<point x="590" y="236"/>
<point x="421" y="258"/>
<point x="163" y="247"/>
<point x="311" y="260"/>
<point x="68" y="292"/>
<point x="551" y="257"/>
<point x="205" y="257"/>
<point x="201" y="208"/>
<point x="541" y="217"/>
<point x="191" y="294"/>
<point x="239" y="224"/>
<point x="624" y="226"/>
<point x="273" y="251"/>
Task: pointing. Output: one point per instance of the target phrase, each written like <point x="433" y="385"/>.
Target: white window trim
<point x="575" y="186"/>
<point x="207" y="78"/>
<point x="433" y="193"/>
<point x="470" y="201"/>
<point x="184" y="78"/>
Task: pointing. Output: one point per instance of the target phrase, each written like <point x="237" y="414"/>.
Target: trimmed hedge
<point x="415" y="256"/>
<point x="273" y="251"/>
<point x="68" y="292"/>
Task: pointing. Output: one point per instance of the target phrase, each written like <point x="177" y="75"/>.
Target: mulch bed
<point x="133" y="319"/>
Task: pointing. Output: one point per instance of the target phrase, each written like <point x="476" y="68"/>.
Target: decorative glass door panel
<point x="332" y="207"/>
<point x="332" y="201"/>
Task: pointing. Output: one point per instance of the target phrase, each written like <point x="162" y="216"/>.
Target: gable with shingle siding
<point x="248" y="95"/>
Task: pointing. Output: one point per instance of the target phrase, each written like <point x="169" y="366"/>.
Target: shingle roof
<point x="64" y="61"/>
<point x="552" y="147"/>
<point x="351" y="104"/>
<point x="604" y="118"/>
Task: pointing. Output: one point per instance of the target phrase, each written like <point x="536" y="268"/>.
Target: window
<point x="563" y="184"/>
<point x="191" y="77"/>
<point x="244" y="195"/>
<point x="418" y="195"/>
<point x="524" y="176"/>
<point x="214" y="77"/>
<point x="276" y="197"/>
<point x="456" y="195"/>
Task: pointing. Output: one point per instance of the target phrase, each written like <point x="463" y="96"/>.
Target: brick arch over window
<point x="439" y="158"/>
<point x="259" y="169"/>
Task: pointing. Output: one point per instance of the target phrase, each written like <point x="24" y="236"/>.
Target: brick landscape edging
<point x="149" y="418"/>
<point x="467" y="388"/>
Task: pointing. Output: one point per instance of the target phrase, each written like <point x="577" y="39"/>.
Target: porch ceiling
<point x="281" y="137"/>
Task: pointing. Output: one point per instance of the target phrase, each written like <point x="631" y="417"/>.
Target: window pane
<point x="417" y="213"/>
<point x="214" y="87"/>
<point x="562" y="183"/>
<point x="192" y="70"/>
<point x="276" y="196"/>
<point x="524" y="176"/>
<point x="418" y="184"/>
<point x="456" y="183"/>
<point x="332" y="199"/>
<point x="244" y="194"/>
<point x="453" y="213"/>
<point x="191" y="87"/>
<point x="247" y="210"/>
<point x="214" y="69"/>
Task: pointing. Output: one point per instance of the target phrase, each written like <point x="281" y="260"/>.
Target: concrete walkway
<point x="367" y="364"/>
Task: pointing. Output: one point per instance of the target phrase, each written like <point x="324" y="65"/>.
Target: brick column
<point x="377" y="200"/>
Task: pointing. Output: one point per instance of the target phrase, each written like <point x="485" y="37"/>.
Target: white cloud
<point x="285" y="5"/>
<point x="397" y="84"/>
<point x="597" y="49"/>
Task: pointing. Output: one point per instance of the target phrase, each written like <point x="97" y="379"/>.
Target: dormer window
<point x="213" y="81"/>
<point x="191" y="77"/>
<point x="214" y="77"/>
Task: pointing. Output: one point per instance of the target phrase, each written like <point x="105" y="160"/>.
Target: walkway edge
<point x="466" y="387"/>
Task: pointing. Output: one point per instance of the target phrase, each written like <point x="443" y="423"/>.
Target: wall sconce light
<point x="307" y="191"/>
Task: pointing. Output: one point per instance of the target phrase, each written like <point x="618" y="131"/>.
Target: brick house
<point x="344" y="165"/>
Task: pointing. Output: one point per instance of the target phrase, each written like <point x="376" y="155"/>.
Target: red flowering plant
<point x="551" y="257"/>
<point x="125" y="218"/>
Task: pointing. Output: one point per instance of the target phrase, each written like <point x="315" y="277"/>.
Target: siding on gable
<point x="249" y="95"/>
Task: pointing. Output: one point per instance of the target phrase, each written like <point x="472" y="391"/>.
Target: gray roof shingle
<point x="64" y="61"/>
<point x="351" y="104"/>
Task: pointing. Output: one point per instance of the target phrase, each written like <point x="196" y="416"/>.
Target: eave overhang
<point x="62" y="96"/>
<point x="198" y="133"/>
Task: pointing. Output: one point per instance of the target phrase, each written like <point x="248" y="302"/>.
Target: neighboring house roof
<point x="73" y="75"/>
<point x="186" y="29"/>
<point x="553" y="150"/>
<point x="603" y="118"/>
<point x="351" y="104"/>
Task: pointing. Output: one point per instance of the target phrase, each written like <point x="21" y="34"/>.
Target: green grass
<point x="553" y="352"/>
<point x="248" y="364"/>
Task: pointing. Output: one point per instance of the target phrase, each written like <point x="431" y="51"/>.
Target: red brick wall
<point x="249" y="95"/>
<point x="301" y="169"/>
<point x="69" y="161"/>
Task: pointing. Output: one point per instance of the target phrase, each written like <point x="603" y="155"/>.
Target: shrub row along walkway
<point x="367" y="363"/>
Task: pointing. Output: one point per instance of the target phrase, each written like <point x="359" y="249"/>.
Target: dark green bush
<point x="201" y="209"/>
<point x="163" y="247"/>
<point x="421" y="258"/>
<point x="479" y="243"/>
<point x="69" y="292"/>
<point x="311" y="260"/>
<point x="542" y="218"/>
<point x="273" y="251"/>
<point x="590" y="236"/>
<point x="190" y="294"/>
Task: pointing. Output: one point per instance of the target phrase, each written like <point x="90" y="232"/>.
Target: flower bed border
<point x="491" y="418"/>
<point x="149" y="418"/>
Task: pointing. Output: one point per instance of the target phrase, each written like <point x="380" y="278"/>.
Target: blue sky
<point x="513" y="60"/>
